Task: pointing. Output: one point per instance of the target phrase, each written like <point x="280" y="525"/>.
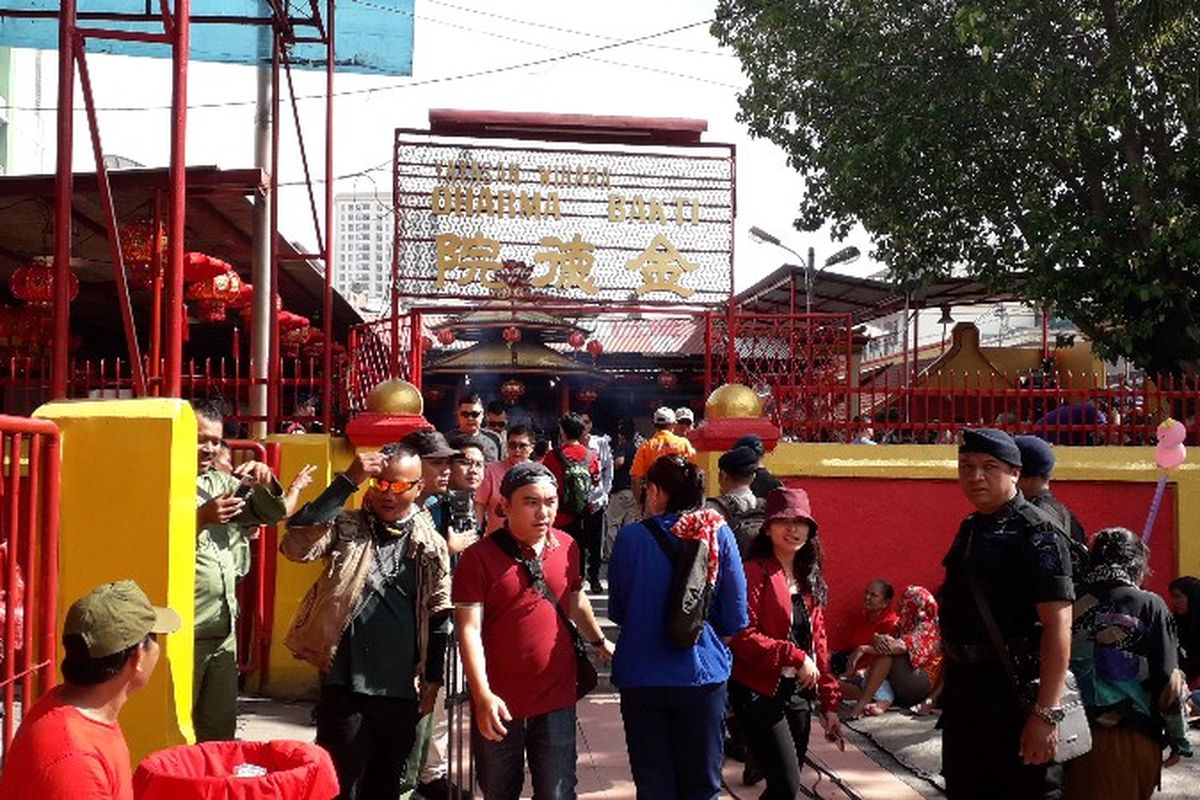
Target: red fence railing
<point x="25" y="385"/>
<point x="1061" y="407"/>
<point x="29" y="475"/>
<point x="256" y="592"/>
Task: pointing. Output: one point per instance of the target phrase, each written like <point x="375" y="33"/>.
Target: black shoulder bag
<point x="585" y="674"/>
<point x="1074" y="732"/>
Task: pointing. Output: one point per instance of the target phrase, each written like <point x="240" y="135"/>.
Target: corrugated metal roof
<point x="675" y="336"/>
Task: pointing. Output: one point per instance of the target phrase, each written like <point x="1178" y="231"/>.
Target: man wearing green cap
<point x="228" y="506"/>
<point x="69" y="745"/>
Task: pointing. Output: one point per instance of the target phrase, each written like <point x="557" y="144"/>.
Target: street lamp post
<point x="844" y="256"/>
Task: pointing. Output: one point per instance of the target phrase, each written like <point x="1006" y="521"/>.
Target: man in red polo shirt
<point x="516" y="649"/>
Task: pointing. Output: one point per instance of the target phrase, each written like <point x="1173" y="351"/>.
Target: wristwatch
<point x="1052" y="715"/>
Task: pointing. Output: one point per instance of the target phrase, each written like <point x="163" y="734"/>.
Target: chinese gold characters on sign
<point x="570" y="264"/>
<point x="662" y="267"/>
<point x="478" y="257"/>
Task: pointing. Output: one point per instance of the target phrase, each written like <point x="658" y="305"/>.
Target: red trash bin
<point x="206" y="771"/>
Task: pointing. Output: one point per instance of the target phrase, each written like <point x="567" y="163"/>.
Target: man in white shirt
<point x="594" y="522"/>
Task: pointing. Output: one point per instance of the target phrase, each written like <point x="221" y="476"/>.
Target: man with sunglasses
<point x="376" y="622"/>
<point x="470" y="423"/>
<point x="488" y="497"/>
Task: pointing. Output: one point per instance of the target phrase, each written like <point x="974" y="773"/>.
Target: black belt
<point x="971" y="653"/>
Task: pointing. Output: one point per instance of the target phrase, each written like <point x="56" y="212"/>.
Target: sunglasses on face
<point x="518" y="445"/>
<point x="496" y="424"/>
<point x="395" y="487"/>
<point x="470" y="414"/>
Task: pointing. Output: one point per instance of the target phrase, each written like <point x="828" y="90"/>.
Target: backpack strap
<point x="660" y="536"/>
<point x="505" y="541"/>
<point x="723" y="507"/>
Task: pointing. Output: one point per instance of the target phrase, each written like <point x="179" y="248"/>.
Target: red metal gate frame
<point x="176" y="32"/>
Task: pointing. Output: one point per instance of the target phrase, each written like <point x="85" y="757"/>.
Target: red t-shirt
<point x="529" y="653"/>
<point x="863" y="631"/>
<point x="575" y="452"/>
<point x="60" y="754"/>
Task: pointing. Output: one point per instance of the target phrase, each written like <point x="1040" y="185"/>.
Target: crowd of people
<point x="472" y="557"/>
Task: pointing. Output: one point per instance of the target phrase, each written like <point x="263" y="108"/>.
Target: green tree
<point x="1053" y="146"/>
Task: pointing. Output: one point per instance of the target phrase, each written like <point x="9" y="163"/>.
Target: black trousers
<point x="590" y="538"/>
<point x="981" y="726"/>
<point x="368" y="738"/>
<point x="776" y="729"/>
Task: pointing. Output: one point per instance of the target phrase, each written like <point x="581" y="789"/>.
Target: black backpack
<point x="744" y="522"/>
<point x="689" y="596"/>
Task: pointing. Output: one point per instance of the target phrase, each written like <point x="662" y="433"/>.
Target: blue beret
<point x="523" y="474"/>
<point x="993" y="442"/>
<point x="754" y="442"/>
<point x="740" y="462"/>
<point x="1037" y="456"/>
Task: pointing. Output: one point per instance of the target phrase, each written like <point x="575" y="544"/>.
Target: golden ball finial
<point x="733" y="400"/>
<point x="396" y="397"/>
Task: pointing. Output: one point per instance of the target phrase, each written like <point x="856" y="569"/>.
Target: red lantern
<point x="511" y="334"/>
<point x="587" y="396"/>
<point x="137" y="241"/>
<point x="426" y="344"/>
<point x="34" y="283"/>
<point x="576" y="339"/>
<point x="294" y="331"/>
<point x="446" y="337"/>
<point x="201" y="267"/>
<point x="511" y="391"/>
<point x="141" y="274"/>
<point x="594" y="348"/>
<point x="667" y="380"/>
<point x="213" y="295"/>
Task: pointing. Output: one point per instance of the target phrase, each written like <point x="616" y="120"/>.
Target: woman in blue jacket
<point x="673" y="698"/>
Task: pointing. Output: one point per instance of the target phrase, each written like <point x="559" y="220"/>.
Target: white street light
<point x="844" y="256"/>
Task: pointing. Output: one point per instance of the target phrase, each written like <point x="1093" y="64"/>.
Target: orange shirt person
<point x="662" y="443"/>
<point x="69" y="745"/>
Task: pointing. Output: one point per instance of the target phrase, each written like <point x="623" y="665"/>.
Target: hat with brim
<point x="116" y="616"/>
<point x="664" y="416"/>
<point x="429" y="444"/>
<point x="1037" y="456"/>
<point x="684" y="413"/>
<point x="740" y="462"/>
<point x="786" y="503"/>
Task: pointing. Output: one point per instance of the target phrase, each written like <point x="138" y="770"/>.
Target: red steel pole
<point x="63" y="191"/>
<point x="180" y="44"/>
<point x="156" y="270"/>
<point x="274" y="363"/>
<point x="327" y="307"/>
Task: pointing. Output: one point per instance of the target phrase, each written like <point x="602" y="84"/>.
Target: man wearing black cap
<point x="764" y="482"/>
<point x="517" y="651"/>
<point x="1037" y="465"/>
<point x="743" y="512"/>
<point x="1008" y="561"/>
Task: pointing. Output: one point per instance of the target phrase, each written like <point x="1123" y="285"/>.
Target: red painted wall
<point x="899" y="530"/>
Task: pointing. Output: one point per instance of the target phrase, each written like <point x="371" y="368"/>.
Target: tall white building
<point x="27" y="117"/>
<point x="362" y="251"/>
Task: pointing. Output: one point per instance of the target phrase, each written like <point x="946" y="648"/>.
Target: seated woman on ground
<point x="909" y="662"/>
<point x="877" y="616"/>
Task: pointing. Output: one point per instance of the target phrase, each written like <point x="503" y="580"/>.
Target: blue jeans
<point x="674" y="735"/>
<point x="549" y="742"/>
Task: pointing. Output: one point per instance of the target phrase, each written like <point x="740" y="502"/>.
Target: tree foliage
<point x="1055" y="145"/>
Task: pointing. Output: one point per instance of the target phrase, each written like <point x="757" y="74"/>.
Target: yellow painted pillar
<point x="128" y="510"/>
<point x="289" y="677"/>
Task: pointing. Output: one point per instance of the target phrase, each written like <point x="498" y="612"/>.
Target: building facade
<point x="362" y="251"/>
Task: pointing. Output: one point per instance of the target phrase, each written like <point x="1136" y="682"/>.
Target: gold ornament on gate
<point x="733" y="400"/>
<point x="395" y="397"/>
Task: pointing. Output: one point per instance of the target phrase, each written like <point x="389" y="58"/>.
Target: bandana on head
<point x="524" y="474"/>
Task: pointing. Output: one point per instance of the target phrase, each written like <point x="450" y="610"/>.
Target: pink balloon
<point x="1170" y="432"/>
<point x="1169" y="457"/>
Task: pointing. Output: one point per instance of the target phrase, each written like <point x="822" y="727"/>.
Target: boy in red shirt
<point x="516" y="649"/>
<point x="69" y="745"/>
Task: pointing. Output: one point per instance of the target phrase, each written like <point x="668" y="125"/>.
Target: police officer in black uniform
<point x="1037" y="466"/>
<point x="994" y="745"/>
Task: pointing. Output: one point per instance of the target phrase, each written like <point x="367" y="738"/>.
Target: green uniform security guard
<point x="228" y="505"/>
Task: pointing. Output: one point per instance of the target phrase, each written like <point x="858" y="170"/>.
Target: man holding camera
<point x="229" y="506"/>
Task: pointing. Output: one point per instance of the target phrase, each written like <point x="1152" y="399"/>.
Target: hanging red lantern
<point x="213" y="295"/>
<point x="34" y="283"/>
<point x="587" y="396"/>
<point x="667" y="380"/>
<point x="576" y="339"/>
<point x="138" y="240"/>
<point x="594" y="348"/>
<point x="512" y="391"/>
<point x="446" y="337"/>
<point x="511" y="334"/>
<point x="244" y="297"/>
<point x="202" y="267"/>
<point x="426" y="344"/>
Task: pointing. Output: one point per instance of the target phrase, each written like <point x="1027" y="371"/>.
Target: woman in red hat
<point x="781" y="671"/>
